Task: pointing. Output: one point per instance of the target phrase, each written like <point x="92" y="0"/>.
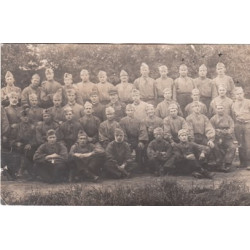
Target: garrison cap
<point x="88" y="104"/>
<point x="158" y="130"/>
<point x="68" y="109"/>
<point x="182" y="131"/>
<point x="109" y="110"/>
<point x="112" y="91"/>
<point x="130" y="106"/>
<point x="123" y="73"/>
<point x="144" y="65"/>
<point x="173" y="106"/>
<point x="33" y="96"/>
<point x="81" y="133"/>
<point x="67" y="76"/>
<point x="12" y="94"/>
<point x="220" y="65"/>
<point x="35" y="76"/>
<point x="203" y="66"/>
<point x="148" y="106"/>
<point x="8" y="74"/>
<point x="167" y="90"/>
<point x="49" y="71"/>
<point x="46" y="112"/>
<point x="119" y="131"/>
<point x="195" y="91"/>
<point x="163" y="67"/>
<point x="51" y="132"/>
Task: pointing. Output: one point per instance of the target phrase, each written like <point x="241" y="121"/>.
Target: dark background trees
<point x="23" y="60"/>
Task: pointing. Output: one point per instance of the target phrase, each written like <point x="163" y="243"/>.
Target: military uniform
<point x="151" y="124"/>
<point x="103" y="89"/>
<point x="189" y="109"/>
<point x="28" y="91"/>
<point x="99" y="111"/>
<point x="65" y="89"/>
<point x="78" y="110"/>
<point x="85" y="88"/>
<point x="125" y="92"/>
<point x="7" y="90"/>
<point x="163" y="83"/>
<point x="57" y="114"/>
<point x="226" y="102"/>
<point x="140" y="110"/>
<point x="162" y="108"/>
<point x="119" y="108"/>
<point x="42" y="128"/>
<point x="225" y="80"/>
<point x="35" y="114"/>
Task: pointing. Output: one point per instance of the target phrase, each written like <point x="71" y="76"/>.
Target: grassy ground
<point x="225" y="190"/>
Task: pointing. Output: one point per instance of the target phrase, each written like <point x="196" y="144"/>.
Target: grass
<point x="164" y="193"/>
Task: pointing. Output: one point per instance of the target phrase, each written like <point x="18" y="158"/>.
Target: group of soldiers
<point x="86" y="130"/>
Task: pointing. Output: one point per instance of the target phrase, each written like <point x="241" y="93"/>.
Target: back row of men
<point x="98" y="110"/>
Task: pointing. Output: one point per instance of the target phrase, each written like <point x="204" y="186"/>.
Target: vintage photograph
<point x="125" y="124"/>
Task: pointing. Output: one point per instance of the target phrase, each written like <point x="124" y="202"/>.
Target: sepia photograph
<point x="125" y="124"/>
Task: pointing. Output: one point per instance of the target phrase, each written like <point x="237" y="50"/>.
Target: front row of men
<point x="57" y="150"/>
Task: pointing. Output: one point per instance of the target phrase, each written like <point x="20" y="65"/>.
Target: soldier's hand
<point x="140" y="145"/>
<point x="27" y="147"/>
<point x="190" y="157"/>
<point x="202" y="156"/>
<point x="210" y="144"/>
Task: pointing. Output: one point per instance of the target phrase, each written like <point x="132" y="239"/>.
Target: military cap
<point x="167" y="90"/>
<point x="67" y="76"/>
<point x="163" y="67"/>
<point x="71" y="91"/>
<point x="13" y="93"/>
<point x="220" y="105"/>
<point x="173" y="106"/>
<point x="109" y="110"/>
<point x="222" y="85"/>
<point x="81" y="133"/>
<point x="57" y="95"/>
<point x="195" y="104"/>
<point x="183" y="66"/>
<point x="25" y="110"/>
<point x="8" y="74"/>
<point x="130" y="106"/>
<point x="84" y="71"/>
<point x="123" y="73"/>
<point x="68" y="109"/>
<point x="238" y="89"/>
<point x="36" y="76"/>
<point x="220" y="65"/>
<point x="203" y="66"/>
<point x="33" y="96"/>
<point x="158" y="130"/>
<point x="88" y="104"/>
<point x="148" y="106"/>
<point x="119" y="131"/>
<point x="112" y="91"/>
<point x="94" y="92"/>
<point x="102" y="73"/>
<point x="144" y="65"/>
<point x="49" y="71"/>
<point x="182" y="131"/>
<point x="195" y="91"/>
<point x="51" y="132"/>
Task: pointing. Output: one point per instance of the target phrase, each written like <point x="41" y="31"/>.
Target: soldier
<point x="10" y="87"/>
<point x="139" y="105"/>
<point x="67" y="132"/>
<point x="135" y="134"/>
<point x="221" y="99"/>
<point x="107" y="128"/>
<point x="68" y="81"/>
<point x="78" y="109"/>
<point x="164" y="82"/>
<point x="33" y="88"/>
<point x="172" y="124"/>
<point x="200" y="128"/>
<point x="224" y="138"/>
<point x="85" y="86"/>
<point x="57" y="110"/>
<point x="125" y="88"/>
<point x="85" y="158"/>
<point x="115" y="103"/>
<point x="205" y="86"/>
<point x="98" y="108"/>
<point x="146" y="85"/>
<point x="43" y="127"/>
<point x="152" y="121"/>
<point x="49" y="88"/>
<point x="35" y="112"/>
<point x="184" y="86"/>
<point x="103" y="88"/>
<point x="119" y="162"/>
<point x="162" y="108"/>
<point x="90" y="123"/>
<point x="222" y="78"/>
<point x="196" y="98"/>
<point x="189" y="157"/>
<point x="241" y="115"/>
<point x="160" y="154"/>
<point x="50" y="159"/>
<point x="25" y="143"/>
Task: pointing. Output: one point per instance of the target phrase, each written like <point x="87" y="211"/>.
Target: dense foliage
<point x="23" y="60"/>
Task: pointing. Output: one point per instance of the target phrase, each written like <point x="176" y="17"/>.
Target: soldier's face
<point x="68" y="116"/>
<point x="202" y="72"/>
<point x="158" y="136"/>
<point x="130" y="112"/>
<point x="94" y="99"/>
<point x="110" y="116"/>
<point x="13" y="100"/>
<point x="10" y="81"/>
<point x="196" y="97"/>
<point x="85" y="77"/>
<point x="68" y="82"/>
<point x="167" y="95"/>
<point x="183" y="71"/>
<point x="57" y="102"/>
<point x="33" y="102"/>
<point x="102" y="78"/>
<point x="163" y="72"/>
<point x="239" y="95"/>
<point x="144" y="71"/>
<point x="173" y="113"/>
<point x="150" y="111"/>
<point x="119" y="137"/>
<point x="220" y="110"/>
<point x="49" y="76"/>
<point x="71" y="97"/>
<point x="51" y="139"/>
<point x="113" y="98"/>
<point x="82" y="140"/>
<point x="124" y="78"/>
<point x="35" y="81"/>
<point x="183" y="137"/>
<point x="220" y="70"/>
<point x="25" y="119"/>
<point x="88" y="110"/>
<point x="222" y="91"/>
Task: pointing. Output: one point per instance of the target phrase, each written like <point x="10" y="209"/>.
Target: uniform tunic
<point x="57" y="114"/>
<point x="99" y="111"/>
<point x="163" y="83"/>
<point x="147" y="88"/>
<point x="226" y="102"/>
<point x="151" y="124"/>
<point x="189" y="108"/>
<point x="28" y="91"/>
<point x="85" y="88"/>
<point x="184" y="87"/>
<point x="162" y="108"/>
<point x="119" y="108"/>
<point x="103" y="89"/>
<point x="65" y="90"/>
<point x="172" y="126"/>
<point x="157" y="146"/>
<point x="206" y="88"/>
<point x="78" y="110"/>
<point x="140" y="110"/>
<point x="90" y="125"/>
<point x="42" y="129"/>
<point x="125" y="92"/>
<point x="7" y="90"/>
<point x="35" y="114"/>
<point x="26" y="133"/>
<point x="225" y="80"/>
